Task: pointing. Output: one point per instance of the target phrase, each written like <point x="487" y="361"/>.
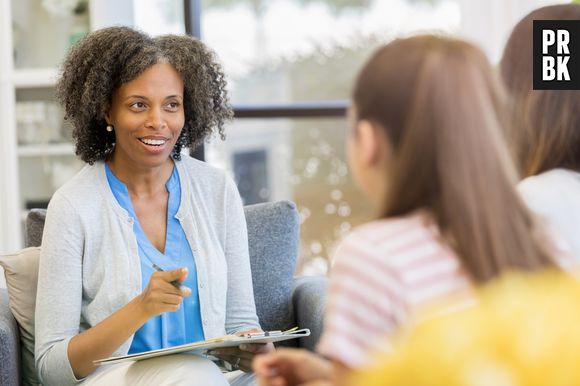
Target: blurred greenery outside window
<point x="291" y="51"/>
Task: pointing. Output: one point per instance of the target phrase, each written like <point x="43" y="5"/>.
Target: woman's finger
<point x="245" y="365"/>
<point x="173" y="300"/>
<point x="179" y="274"/>
<point x="245" y="332"/>
<point x="168" y="288"/>
<point x="253" y="347"/>
<point x="264" y="364"/>
<point x="277" y="381"/>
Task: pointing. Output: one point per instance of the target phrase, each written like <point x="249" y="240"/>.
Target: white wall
<point x="10" y="233"/>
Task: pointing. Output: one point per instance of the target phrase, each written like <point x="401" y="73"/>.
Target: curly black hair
<point x="105" y="59"/>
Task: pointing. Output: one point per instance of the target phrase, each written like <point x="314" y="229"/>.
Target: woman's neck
<point x="142" y="181"/>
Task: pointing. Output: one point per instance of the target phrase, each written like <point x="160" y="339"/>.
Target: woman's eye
<point x="173" y="105"/>
<point x="139" y="105"/>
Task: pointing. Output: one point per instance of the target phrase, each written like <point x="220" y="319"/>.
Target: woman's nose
<point x="155" y="119"/>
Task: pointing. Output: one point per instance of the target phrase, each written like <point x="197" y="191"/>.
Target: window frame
<point x="313" y="109"/>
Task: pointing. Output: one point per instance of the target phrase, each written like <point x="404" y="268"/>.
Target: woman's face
<point x="369" y="154"/>
<point x="358" y="154"/>
<point x="147" y="115"/>
<point x="353" y="150"/>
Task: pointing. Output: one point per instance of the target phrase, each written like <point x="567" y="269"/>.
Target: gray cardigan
<point x="90" y="267"/>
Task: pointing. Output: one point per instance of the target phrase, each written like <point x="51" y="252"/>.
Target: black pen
<point x="175" y="283"/>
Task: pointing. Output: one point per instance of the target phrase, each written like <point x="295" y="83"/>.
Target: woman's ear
<point x="370" y="142"/>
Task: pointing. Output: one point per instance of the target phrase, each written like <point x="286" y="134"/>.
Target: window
<point x="283" y="52"/>
<point x="280" y="51"/>
<point x="159" y="17"/>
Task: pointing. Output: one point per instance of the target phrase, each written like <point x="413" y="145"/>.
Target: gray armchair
<point x="282" y="301"/>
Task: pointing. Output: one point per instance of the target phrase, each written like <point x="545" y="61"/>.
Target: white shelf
<point x="34" y="77"/>
<point x="55" y="149"/>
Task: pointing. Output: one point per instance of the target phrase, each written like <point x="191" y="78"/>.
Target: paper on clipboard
<point x="210" y="344"/>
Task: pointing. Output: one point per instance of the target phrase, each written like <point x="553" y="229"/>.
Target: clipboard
<point x="200" y="348"/>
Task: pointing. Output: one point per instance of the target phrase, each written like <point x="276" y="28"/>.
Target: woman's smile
<point x="155" y="144"/>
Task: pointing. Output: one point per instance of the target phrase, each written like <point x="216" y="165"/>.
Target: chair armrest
<point x="9" y="344"/>
<point x="309" y="297"/>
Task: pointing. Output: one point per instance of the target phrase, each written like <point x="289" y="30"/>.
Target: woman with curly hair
<point x="135" y="102"/>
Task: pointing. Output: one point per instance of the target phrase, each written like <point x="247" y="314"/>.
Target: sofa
<point x="282" y="300"/>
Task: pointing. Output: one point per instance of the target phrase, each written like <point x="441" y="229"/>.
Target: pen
<point x="175" y="283"/>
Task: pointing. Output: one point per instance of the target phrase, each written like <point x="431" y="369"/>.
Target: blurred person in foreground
<point x="426" y="145"/>
<point x="145" y="248"/>
<point x="523" y="332"/>
<point x="545" y="132"/>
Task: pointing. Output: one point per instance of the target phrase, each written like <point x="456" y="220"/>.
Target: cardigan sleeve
<point x="59" y="293"/>
<point x="241" y="309"/>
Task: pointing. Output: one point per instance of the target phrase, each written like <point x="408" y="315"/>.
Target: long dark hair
<point x="442" y="109"/>
<point x="545" y="129"/>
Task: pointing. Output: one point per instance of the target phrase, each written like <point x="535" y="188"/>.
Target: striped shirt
<point x="386" y="273"/>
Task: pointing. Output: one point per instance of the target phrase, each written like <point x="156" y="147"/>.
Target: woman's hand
<point x="101" y="340"/>
<point x="241" y="357"/>
<point x="161" y="295"/>
<point x="291" y="367"/>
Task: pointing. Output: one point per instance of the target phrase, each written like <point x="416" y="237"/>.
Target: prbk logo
<point x="556" y="55"/>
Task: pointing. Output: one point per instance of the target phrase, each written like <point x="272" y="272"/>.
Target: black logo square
<point x="556" y="55"/>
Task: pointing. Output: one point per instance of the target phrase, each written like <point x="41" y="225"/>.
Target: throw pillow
<point x="21" y="273"/>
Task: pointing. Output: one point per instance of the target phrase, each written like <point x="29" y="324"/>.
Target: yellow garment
<point x="524" y="331"/>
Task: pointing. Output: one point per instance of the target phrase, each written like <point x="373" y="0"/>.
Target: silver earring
<point x="109" y="128"/>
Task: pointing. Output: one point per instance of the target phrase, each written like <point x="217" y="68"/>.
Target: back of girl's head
<point x="545" y="129"/>
<point x="104" y="60"/>
<point x="441" y="107"/>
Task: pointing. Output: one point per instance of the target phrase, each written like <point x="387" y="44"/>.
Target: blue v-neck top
<point x="170" y="328"/>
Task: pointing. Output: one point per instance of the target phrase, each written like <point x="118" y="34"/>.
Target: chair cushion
<point x="21" y="272"/>
<point x="33" y="227"/>
<point x="273" y="235"/>
<point x="9" y="344"/>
